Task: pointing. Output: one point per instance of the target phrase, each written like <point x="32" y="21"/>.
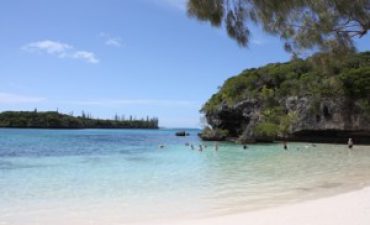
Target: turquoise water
<point x="122" y="176"/>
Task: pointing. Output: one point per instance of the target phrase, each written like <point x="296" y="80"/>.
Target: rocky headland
<point x="319" y="99"/>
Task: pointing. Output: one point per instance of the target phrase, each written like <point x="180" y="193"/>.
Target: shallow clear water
<point x="122" y="176"/>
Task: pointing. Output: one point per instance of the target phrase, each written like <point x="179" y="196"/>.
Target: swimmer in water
<point x="285" y="145"/>
<point x="200" y="148"/>
<point x="350" y="143"/>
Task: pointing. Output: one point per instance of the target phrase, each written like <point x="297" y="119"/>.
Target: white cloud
<point x="50" y="47"/>
<point x="86" y="56"/>
<point x="9" y="98"/>
<point x="111" y="40"/>
<point x="149" y="102"/>
<point x="61" y="50"/>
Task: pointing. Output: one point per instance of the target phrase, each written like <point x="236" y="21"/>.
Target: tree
<point x="83" y="114"/>
<point x="326" y="25"/>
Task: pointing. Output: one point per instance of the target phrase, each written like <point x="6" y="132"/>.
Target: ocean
<point x="123" y="176"/>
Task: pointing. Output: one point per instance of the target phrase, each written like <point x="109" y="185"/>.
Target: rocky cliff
<point x="336" y="120"/>
<point x="294" y="101"/>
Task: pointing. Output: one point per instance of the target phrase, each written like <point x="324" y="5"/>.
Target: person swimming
<point x="200" y="148"/>
<point x="285" y="145"/>
<point x="350" y="143"/>
<point x="245" y="147"/>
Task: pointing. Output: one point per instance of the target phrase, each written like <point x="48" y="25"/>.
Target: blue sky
<point x="132" y="57"/>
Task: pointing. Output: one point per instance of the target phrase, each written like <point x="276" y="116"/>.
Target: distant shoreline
<point x="85" y="128"/>
<point x="56" y="120"/>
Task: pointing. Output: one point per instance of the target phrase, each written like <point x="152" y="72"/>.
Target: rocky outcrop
<point x="325" y="120"/>
<point x="182" y="133"/>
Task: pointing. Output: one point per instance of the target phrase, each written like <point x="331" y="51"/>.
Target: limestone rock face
<point x="324" y="120"/>
<point x="237" y="119"/>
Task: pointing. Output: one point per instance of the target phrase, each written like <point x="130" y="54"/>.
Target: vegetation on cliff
<point x="55" y="120"/>
<point x="317" y="77"/>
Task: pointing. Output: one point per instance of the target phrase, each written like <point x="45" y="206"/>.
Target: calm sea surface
<point x="122" y="176"/>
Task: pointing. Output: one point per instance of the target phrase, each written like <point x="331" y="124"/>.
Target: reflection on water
<point x="123" y="175"/>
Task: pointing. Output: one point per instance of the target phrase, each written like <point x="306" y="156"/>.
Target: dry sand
<point x="351" y="208"/>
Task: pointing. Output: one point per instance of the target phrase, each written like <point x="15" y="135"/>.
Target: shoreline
<point x="346" y="208"/>
<point x="349" y="208"/>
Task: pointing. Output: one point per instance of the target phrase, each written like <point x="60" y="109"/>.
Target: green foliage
<point x="57" y="120"/>
<point x="270" y="85"/>
<point x="235" y="86"/>
<point x="267" y="129"/>
<point x="326" y="25"/>
<point x="357" y="82"/>
<point x="275" y="122"/>
<point x="297" y="78"/>
<point x="286" y="121"/>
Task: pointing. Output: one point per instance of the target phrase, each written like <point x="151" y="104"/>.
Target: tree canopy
<point x="348" y="78"/>
<point x="325" y="25"/>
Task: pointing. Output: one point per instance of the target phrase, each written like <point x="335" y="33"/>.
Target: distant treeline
<point x="56" y="120"/>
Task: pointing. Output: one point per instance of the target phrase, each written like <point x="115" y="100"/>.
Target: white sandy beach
<point x="351" y="208"/>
